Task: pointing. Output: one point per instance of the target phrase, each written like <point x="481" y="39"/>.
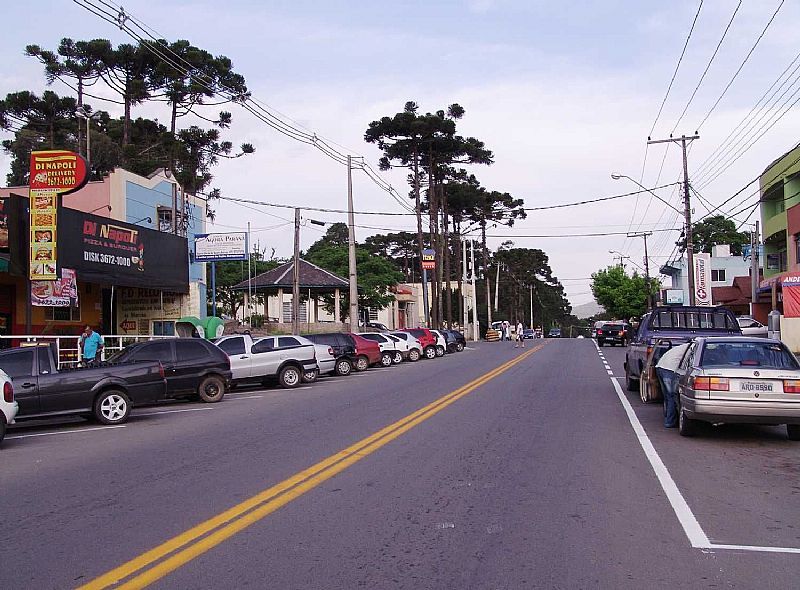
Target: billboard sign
<point x="428" y="259"/>
<point x="702" y="279"/>
<point x="215" y="247"/>
<point x="673" y="296"/>
<point x="58" y="171"/>
<point x="60" y="293"/>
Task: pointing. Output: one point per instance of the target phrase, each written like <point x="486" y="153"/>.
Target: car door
<point x="191" y="358"/>
<point x="684" y="371"/>
<point x="162" y="351"/>
<point x="236" y="347"/>
<point x="19" y="365"/>
<point x="266" y="358"/>
<point x="62" y="392"/>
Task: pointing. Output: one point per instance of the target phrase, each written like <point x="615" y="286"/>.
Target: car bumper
<point x="10" y="411"/>
<point x="744" y="412"/>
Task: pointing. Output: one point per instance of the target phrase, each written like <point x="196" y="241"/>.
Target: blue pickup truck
<point x="679" y="324"/>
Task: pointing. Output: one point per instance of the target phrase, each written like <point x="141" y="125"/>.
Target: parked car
<point x="194" y="367"/>
<point x="106" y="392"/>
<point x="343" y="348"/>
<point x="412" y="349"/>
<point x="288" y="359"/>
<point x="554" y="333"/>
<point x="738" y="380"/>
<point x="678" y="324"/>
<point x="378" y="326"/>
<point x="613" y="333"/>
<point x="461" y="341"/>
<point x="751" y="327"/>
<point x="388" y="347"/>
<point x="368" y="353"/>
<point x="441" y="342"/>
<point x="426" y="339"/>
<point x="8" y="405"/>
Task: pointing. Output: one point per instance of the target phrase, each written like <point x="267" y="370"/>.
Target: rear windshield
<point x="747" y="354"/>
<point x="417" y="333"/>
<point x="693" y="320"/>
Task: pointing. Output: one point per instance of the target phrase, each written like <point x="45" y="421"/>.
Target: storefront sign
<point x="137" y="308"/>
<point x="428" y="259"/>
<point x="702" y="279"/>
<point x="4" y="241"/>
<point x="213" y="247"/>
<point x="790" y="286"/>
<point x="110" y="252"/>
<point x="58" y="171"/>
<point x="60" y="293"/>
<point x="674" y="296"/>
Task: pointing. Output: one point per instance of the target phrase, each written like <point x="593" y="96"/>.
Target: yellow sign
<point x="43" y="207"/>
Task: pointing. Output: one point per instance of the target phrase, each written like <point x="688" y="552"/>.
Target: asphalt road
<point x="531" y="476"/>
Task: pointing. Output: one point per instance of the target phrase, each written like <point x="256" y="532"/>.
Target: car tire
<point x="440" y="351"/>
<point x="397" y="358"/>
<point x="343" y="367"/>
<point x="111" y="407"/>
<point x="212" y="389"/>
<point x="310" y="376"/>
<point x="686" y="426"/>
<point x="459" y="347"/>
<point x="3" y="427"/>
<point x="413" y="355"/>
<point x="362" y="363"/>
<point x="631" y="383"/>
<point x="430" y="352"/>
<point x="386" y="359"/>
<point x="792" y="431"/>
<point x="290" y="377"/>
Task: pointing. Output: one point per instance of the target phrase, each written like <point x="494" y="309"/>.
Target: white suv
<point x="8" y="405"/>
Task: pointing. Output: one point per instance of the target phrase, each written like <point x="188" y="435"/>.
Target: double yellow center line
<point x="179" y="550"/>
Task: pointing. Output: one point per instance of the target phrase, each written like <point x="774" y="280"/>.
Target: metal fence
<point x="67" y="346"/>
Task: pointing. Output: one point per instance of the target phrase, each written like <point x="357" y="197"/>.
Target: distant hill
<point x="587" y="310"/>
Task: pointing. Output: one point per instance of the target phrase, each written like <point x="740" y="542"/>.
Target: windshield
<point x="768" y="355"/>
<point x="693" y="320"/>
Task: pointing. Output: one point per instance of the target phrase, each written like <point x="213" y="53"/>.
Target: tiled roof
<point x="311" y="277"/>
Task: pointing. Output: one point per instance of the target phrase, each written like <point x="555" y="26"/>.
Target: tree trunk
<point x="126" y="121"/>
<point x="419" y="218"/>
<point x="433" y="230"/>
<point x="80" y="127"/>
<point x="174" y="117"/>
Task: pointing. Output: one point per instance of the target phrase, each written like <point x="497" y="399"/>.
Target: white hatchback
<point x="8" y="405"/>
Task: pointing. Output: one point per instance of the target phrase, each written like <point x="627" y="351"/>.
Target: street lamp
<point x="619" y="255"/>
<point x="640" y="185"/>
<point x="83" y="113"/>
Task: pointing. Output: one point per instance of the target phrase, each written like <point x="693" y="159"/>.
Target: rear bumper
<point x="744" y="412"/>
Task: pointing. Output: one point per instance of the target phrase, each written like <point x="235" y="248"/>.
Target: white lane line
<point x="247" y="397"/>
<point x="610" y="372"/>
<point x="172" y="411"/>
<point x="756" y="548"/>
<point x="65" y="432"/>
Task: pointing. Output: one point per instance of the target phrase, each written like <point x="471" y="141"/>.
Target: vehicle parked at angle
<point x="460" y="340"/>
<point x="368" y="353"/>
<point x="194" y="367"/>
<point x="378" y="326"/>
<point x="426" y="339"/>
<point x="554" y="333"/>
<point x="8" y="405"/>
<point x="441" y="342"/>
<point x="679" y="324"/>
<point x="738" y="380"/>
<point x="106" y="392"/>
<point x="326" y="362"/>
<point x="409" y="345"/>
<point x="613" y="333"/>
<point x="751" y="327"/>
<point x="342" y="347"/>
<point x="388" y="347"/>
<point x="528" y="334"/>
<point x="287" y="359"/>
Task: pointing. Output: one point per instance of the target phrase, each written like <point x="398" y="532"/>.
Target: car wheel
<point x="413" y="355"/>
<point x="112" y="407"/>
<point x="792" y="431"/>
<point x="645" y="391"/>
<point x="459" y="347"/>
<point x="211" y="389"/>
<point x="430" y="352"/>
<point x="3" y="428"/>
<point x="630" y="382"/>
<point x="398" y="358"/>
<point x="343" y="367"/>
<point x="362" y="363"/>
<point x="686" y="426"/>
<point x="310" y="376"/>
<point x="386" y="359"/>
<point x="440" y="351"/>
<point x="290" y="377"/>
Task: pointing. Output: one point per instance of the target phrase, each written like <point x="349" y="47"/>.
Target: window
<point x="287" y="342"/>
<point x="164" y="219"/>
<point x="154" y="351"/>
<point x="44" y="362"/>
<point x="373" y="314"/>
<point x="232" y="346"/>
<point x="17" y="364"/>
<point x="62" y="314"/>
<point x="287" y="312"/>
<point x="401" y="335"/>
<point x="263" y="345"/>
<point x="687" y="357"/>
<point x="717" y="275"/>
<point x="374" y="337"/>
<point x="163" y="328"/>
<point x="190" y="350"/>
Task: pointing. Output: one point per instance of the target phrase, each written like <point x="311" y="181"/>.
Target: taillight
<point x="622" y="332"/>
<point x="8" y="392"/>
<point x="711" y="384"/>
<point x="599" y="331"/>
<point x="791" y="386"/>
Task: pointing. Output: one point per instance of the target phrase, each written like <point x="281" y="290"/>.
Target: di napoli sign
<point x="52" y="173"/>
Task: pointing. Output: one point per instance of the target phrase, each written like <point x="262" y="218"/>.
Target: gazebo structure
<point x="314" y="281"/>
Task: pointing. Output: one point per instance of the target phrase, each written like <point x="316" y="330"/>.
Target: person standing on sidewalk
<point x="666" y="370"/>
<point x="90" y="345"/>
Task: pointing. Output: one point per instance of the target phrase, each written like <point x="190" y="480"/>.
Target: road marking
<point x="758" y="548"/>
<point x="247" y="397"/>
<point x="65" y="432"/>
<point x="206" y="535"/>
<point x="173" y="411"/>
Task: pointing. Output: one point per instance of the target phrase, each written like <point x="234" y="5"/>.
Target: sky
<point x="564" y="94"/>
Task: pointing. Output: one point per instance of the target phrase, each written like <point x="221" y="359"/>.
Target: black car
<point x="458" y="339"/>
<point x="613" y="333"/>
<point x="344" y="348"/>
<point x="193" y="366"/>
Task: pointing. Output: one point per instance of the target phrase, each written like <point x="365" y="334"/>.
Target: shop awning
<point x="766" y="284"/>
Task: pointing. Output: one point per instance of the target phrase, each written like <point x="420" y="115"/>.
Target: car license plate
<point x="756" y="386"/>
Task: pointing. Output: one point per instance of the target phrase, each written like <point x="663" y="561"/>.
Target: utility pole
<point x="465" y="311"/>
<point x="250" y="281"/>
<point x="475" y="326"/>
<point x="754" y="270"/>
<point x="532" y="326"/>
<point x="497" y="286"/>
<point x="644" y="235"/>
<point x="296" y="275"/>
<point x="687" y="209"/>
<point x="351" y="243"/>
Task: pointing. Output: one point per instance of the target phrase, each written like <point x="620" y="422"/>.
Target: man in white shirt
<point x="520" y="340"/>
<point x="666" y="369"/>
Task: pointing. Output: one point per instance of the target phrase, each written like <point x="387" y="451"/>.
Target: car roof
<point x="743" y="339"/>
